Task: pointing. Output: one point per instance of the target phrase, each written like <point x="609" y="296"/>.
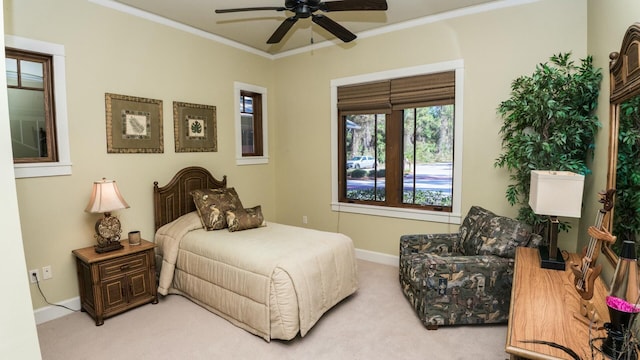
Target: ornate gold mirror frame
<point x="624" y="75"/>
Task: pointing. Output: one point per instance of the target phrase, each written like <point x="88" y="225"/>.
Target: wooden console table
<point x="543" y="303"/>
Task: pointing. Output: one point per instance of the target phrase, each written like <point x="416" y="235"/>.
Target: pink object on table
<point x="622" y="305"/>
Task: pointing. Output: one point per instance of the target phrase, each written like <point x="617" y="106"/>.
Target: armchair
<point x="465" y="277"/>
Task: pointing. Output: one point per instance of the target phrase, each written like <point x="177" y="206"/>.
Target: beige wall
<point x="108" y="51"/>
<point x="496" y="47"/>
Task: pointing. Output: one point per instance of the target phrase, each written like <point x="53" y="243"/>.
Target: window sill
<point x="41" y="169"/>
<point x="400" y="213"/>
<point x="252" y="160"/>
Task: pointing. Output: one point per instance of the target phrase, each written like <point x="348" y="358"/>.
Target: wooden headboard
<point x="174" y="199"/>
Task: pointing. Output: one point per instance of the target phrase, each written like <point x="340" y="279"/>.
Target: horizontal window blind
<point x="381" y="97"/>
<point x="370" y="97"/>
<point x="423" y="90"/>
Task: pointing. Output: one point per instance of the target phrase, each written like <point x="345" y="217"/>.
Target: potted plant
<point x="549" y="124"/>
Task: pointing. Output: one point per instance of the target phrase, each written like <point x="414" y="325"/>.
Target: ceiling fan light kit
<point x="303" y="9"/>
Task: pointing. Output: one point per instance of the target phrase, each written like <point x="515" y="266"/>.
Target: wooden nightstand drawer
<point x="117" y="267"/>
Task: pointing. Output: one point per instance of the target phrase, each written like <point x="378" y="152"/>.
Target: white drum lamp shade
<point x="556" y="193"/>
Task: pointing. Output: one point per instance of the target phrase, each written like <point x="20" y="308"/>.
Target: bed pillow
<point x="212" y="205"/>
<point x="243" y="219"/>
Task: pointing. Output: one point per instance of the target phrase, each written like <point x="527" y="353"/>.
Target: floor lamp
<point x="555" y="193"/>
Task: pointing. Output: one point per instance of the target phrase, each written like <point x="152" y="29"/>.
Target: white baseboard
<point x="51" y="312"/>
<point x="377" y="257"/>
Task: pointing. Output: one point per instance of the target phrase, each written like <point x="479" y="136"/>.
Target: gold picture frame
<point x="195" y="127"/>
<point x="134" y="124"/>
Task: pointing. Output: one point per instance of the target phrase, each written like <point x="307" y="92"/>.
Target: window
<point x="397" y="143"/>
<point x="251" y="124"/>
<point x="31" y="116"/>
<point x="35" y="75"/>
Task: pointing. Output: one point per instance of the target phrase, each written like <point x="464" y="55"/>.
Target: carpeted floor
<point x="376" y="322"/>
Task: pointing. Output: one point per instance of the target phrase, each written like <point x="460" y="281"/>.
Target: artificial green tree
<point x="549" y="124"/>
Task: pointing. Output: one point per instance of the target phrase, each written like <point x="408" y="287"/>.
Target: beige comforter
<point x="273" y="281"/>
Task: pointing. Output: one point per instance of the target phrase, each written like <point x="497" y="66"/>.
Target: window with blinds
<point x="396" y="142"/>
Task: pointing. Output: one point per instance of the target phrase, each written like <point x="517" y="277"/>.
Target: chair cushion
<point x="485" y="233"/>
<point x="470" y="241"/>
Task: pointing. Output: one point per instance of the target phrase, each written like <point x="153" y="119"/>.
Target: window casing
<point x="251" y="124"/>
<point x="53" y="111"/>
<point x="407" y="120"/>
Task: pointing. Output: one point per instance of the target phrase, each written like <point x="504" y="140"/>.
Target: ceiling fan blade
<point x="333" y="27"/>
<point x="276" y="8"/>
<point x="282" y="30"/>
<point x="353" y="5"/>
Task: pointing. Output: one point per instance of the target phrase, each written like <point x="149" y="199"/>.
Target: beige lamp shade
<point x="105" y="197"/>
<point x="556" y="193"/>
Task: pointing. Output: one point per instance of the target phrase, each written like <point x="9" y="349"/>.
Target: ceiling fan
<point x="306" y="8"/>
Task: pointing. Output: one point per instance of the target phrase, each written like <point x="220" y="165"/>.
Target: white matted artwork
<point x="136" y="126"/>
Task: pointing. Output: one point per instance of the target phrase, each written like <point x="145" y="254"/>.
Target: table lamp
<point x="106" y="198"/>
<point x="555" y="193"/>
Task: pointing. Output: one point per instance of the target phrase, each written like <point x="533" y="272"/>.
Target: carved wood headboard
<point x="174" y="199"/>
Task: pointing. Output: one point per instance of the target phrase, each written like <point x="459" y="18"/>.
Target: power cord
<point x="45" y="298"/>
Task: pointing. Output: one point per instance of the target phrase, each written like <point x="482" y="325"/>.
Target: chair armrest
<point x="429" y="243"/>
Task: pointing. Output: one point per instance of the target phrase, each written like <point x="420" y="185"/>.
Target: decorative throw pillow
<point x="502" y="235"/>
<point x="470" y="240"/>
<point x="485" y="233"/>
<point x="243" y="219"/>
<point x="212" y="204"/>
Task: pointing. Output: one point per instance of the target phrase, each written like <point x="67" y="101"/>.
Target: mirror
<point x="623" y="173"/>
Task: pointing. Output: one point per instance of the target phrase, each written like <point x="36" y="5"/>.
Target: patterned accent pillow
<point x="485" y="233"/>
<point x="469" y="240"/>
<point x="243" y="219"/>
<point x="212" y="204"/>
<point x="502" y="235"/>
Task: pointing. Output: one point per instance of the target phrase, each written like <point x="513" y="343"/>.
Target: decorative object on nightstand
<point x="134" y="237"/>
<point x="555" y="193"/>
<point x="622" y="302"/>
<point x="106" y="198"/>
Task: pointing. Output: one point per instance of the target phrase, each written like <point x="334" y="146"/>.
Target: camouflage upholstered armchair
<point x="463" y="278"/>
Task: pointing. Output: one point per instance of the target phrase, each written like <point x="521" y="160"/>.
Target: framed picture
<point x="195" y="127"/>
<point x="134" y="125"/>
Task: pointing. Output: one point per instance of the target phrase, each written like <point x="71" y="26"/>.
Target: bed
<point x="274" y="281"/>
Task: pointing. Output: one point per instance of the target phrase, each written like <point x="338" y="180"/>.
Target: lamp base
<point x="617" y="345"/>
<point x="111" y="246"/>
<point x="551" y="263"/>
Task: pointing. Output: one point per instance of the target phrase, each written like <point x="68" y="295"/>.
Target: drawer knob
<point x="125" y="267"/>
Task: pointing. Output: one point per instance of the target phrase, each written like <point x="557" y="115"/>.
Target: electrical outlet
<point x="47" y="273"/>
<point x="304" y="219"/>
<point x="34" y="275"/>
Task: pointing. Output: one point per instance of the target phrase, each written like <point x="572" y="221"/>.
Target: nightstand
<point x="116" y="281"/>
